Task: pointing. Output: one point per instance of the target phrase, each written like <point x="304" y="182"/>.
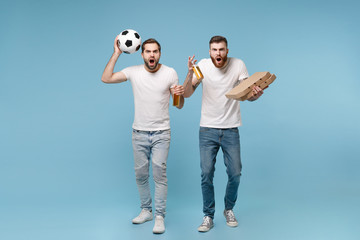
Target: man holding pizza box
<point x="220" y="119"/>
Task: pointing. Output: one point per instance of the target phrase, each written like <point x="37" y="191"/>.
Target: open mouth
<point x="152" y="61"/>
<point x="218" y="59"/>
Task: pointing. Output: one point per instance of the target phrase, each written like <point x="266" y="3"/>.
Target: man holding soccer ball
<point x="152" y="84"/>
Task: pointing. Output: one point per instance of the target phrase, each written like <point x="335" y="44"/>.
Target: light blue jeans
<point x="154" y="146"/>
<point x="210" y="141"/>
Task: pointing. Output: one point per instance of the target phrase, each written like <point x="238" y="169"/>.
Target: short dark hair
<point x="150" y="40"/>
<point x="217" y="39"/>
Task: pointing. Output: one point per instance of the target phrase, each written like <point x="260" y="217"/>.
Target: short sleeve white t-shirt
<point x="151" y="96"/>
<point x="218" y="111"/>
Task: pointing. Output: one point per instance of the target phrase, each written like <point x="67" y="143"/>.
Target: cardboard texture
<point x="243" y="91"/>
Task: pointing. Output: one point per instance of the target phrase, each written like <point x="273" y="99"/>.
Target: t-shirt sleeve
<point x="127" y="71"/>
<point x="174" y="79"/>
<point x="243" y="71"/>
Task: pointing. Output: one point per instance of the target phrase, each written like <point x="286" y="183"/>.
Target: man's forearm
<point x="188" y="85"/>
<point x="109" y="69"/>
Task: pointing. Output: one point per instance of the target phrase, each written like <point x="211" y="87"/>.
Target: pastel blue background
<point x="65" y="138"/>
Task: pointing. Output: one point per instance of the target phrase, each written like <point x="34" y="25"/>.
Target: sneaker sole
<point x="205" y="229"/>
<point x="232" y="224"/>
<point x="146" y="220"/>
<point x="158" y="232"/>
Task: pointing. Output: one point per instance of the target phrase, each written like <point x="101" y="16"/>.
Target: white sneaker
<point x="144" y="216"/>
<point x="230" y="218"/>
<point x="159" y="226"/>
<point x="206" y="225"/>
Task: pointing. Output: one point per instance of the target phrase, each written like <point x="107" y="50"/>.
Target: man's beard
<point x="149" y="67"/>
<point x="224" y="60"/>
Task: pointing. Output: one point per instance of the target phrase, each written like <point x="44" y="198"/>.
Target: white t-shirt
<point x="217" y="110"/>
<point x="151" y="96"/>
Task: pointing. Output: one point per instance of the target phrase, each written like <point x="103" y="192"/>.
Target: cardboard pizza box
<point x="243" y="91"/>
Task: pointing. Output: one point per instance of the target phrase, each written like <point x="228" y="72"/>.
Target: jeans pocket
<point x="235" y="130"/>
<point x="204" y="129"/>
<point x="136" y="134"/>
<point x="166" y="134"/>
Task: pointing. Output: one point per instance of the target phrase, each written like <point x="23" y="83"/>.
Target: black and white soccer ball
<point x="129" y="41"/>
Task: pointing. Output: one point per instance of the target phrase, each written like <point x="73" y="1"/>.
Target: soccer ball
<point x="129" y="41"/>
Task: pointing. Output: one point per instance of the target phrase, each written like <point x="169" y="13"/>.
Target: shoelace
<point x="206" y="221"/>
<point x="230" y="215"/>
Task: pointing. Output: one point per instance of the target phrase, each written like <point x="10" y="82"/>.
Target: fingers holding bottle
<point x="178" y="90"/>
<point x="178" y="99"/>
<point x="191" y="62"/>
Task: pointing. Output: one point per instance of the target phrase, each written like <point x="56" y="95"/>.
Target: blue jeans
<point x="154" y="146"/>
<point x="210" y="140"/>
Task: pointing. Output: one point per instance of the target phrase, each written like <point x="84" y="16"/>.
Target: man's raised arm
<point x="190" y="83"/>
<point x="108" y="75"/>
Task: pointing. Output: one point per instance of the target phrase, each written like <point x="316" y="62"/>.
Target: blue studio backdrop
<point x="66" y="161"/>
